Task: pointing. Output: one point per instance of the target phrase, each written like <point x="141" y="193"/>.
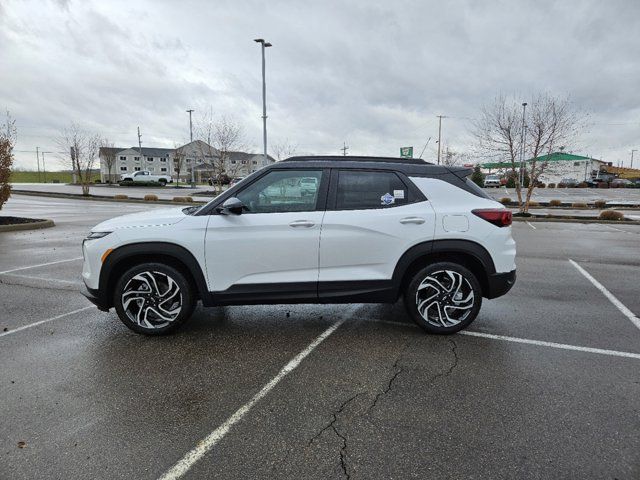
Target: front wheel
<point x="153" y="299"/>
<point x="443" y="298"/>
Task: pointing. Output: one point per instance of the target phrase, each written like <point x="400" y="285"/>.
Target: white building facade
<point x="197" y="155"/>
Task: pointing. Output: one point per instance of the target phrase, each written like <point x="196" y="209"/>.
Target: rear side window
<point x="358" y="190"/>
<point x="473" y="186"/>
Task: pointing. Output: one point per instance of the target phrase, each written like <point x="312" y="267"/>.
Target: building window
<point x="244" y="162"/>
<point x="163" y="159"/>
<point x="123" y="169"/>
<point x="123" y="158"/>
<point x="137" y="159"/>
<point x="576" y="164"/>
<point x="188" y="160"/>
<point x="163" y="169"/>
<point x="255" y="162"/>
<point x="137" y="169"/>
<point x="233" y="162"/>
<point x="149" y="159"/>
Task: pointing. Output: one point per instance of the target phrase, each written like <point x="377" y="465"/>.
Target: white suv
<point x="373" y="230"/>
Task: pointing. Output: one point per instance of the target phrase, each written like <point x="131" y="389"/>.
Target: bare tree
<point x="108" y="156"/>
<point x="83" y="149"/>
<point x="548" y="124"/>
<point x="178" y="162"/>
<point x="452" y="157"/>
<point x="7" y="141"/>
<point x="282" y="150"/>
<point x="220" y="137"/>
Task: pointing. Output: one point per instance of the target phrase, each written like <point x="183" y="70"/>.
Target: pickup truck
<point x="144" y="176"/>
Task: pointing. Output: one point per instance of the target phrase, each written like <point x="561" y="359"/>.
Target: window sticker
<point x="387" y="199"/>
<point x="398" y="194"/>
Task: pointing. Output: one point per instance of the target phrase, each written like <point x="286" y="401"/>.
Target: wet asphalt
<point x="377" y="399"/>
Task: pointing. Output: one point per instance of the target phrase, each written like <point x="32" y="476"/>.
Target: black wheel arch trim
<point x="433" y="247"/>
<point x="146" y="249"/>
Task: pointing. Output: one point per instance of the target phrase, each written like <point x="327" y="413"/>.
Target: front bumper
<point x="500" y="283"/>
<point x="94" y="297"/>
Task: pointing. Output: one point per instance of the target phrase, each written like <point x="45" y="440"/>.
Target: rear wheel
<point x="162" y="182"/>
<point x="443" y="298"/>
<point x="153" y="299"/>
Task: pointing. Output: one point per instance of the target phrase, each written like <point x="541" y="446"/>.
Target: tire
<point x="138" y="299"/>
<point x="162" y="182"/>
<point x="443" y="298"/>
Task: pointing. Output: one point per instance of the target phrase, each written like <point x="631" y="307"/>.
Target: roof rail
<point x="350" y="158"/>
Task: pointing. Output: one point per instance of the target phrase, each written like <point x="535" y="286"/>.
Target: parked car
<point x="620" y="183"/>
<point x="235" y="180"/>
<point x="223" y="179"/>
<point x="308" y="186"/>
<point x="568" y="182"/>
<point x="492" y="181"/>
<point x="144" y="176"/>
<point x="595" y="182"/>
<point x="374" y="230"/>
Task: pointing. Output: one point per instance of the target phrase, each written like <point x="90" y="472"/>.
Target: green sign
<point x="406" y="152"/>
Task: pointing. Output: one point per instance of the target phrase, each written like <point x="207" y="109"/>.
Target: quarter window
<point x="359" y="190"/>
<point x="283" y="191"/>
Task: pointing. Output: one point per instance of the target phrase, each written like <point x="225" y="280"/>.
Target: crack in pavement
<point x="334" y="419"/>
<point x="332" y="425"/>
<point x="454" y="350"/>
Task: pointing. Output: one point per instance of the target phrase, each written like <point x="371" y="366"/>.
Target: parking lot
<point x="544" y="384"/>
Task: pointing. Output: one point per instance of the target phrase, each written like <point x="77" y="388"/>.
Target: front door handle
<point x="302" y="223"/>
<point x="416" y="220"/>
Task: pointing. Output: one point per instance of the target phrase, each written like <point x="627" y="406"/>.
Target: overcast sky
<point x="373" y="74"/>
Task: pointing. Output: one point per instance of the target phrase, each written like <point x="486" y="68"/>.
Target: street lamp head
<point x="259" y="40"/>
<point x="524" y="104"/>
<point x="268" y="45"/>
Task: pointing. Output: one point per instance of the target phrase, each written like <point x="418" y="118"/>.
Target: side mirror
<point x="232" y="206"/>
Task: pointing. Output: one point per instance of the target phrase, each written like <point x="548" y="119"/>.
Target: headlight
<point x="94" y="235"/>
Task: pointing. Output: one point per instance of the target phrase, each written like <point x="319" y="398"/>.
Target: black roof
<point x="409" y="166"/>
<point x="344" y="158"/>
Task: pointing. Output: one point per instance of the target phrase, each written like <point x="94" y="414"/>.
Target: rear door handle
<point x="416" y="220"/>
<point x="302" y="223"/>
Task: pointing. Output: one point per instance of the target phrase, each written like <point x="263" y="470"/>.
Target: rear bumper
<point x="500" y="283"/>
<point x="94" y="297"/>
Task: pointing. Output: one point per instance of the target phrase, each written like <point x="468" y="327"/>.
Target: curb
<point x="44" y="223"/>
<point x="575" y="220"/>
<point x="101" y="198"/>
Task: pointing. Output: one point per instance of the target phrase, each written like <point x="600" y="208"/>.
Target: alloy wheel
<point x="152" y="299"/>
<point x="445" y="298"/>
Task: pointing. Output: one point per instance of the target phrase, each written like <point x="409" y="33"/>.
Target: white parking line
<point x="35" y="324"/>
<point x="530" y="225"/>
<point x="562" y="346"/>
<point x="41" y="265"/>
<point x="527" y="341"/>
<point x="617" y="303"/>
<point x="184" y="464"/>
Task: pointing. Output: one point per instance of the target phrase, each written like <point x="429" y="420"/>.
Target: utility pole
<point x="190" y="111"/>
<point x="44" y="168"/>
<point x="523" y="133"/>
<point x="632" y="157"/>
<point x="264" y="45"/>
<point x="140" y="144"/>
<point x="38" y="161"/>
<point x="440" y="117"/>
<point x="193" y="173"/>
<point x="344" y="149"/>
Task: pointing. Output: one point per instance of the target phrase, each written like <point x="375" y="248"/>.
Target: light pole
<point x="264" y="45"/>
<point x="632" y="157"/>
<point x="524" y="108"/>
<point x="193" y="175"/>
<point x="440" y="117"/>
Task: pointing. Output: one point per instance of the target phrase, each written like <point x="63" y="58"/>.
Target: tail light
<point x="497" y="216"/>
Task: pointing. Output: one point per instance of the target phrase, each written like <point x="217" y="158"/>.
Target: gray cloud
<point x="373" y="74"/>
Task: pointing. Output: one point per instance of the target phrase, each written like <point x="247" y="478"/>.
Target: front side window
<point x="359" y="190"/>
<point x="283" y="191"/>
